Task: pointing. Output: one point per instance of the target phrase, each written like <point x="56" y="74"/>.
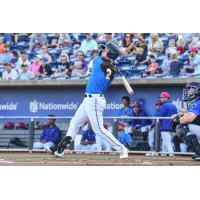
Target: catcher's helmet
<point x="113" y="50"/>
<point x="189" y="94"/>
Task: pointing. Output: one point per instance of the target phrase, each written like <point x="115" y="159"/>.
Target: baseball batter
<point x="189" y="128"/>
<point x="94" y="103"/>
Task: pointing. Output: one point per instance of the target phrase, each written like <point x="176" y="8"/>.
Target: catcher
<point x="187" y="123"/>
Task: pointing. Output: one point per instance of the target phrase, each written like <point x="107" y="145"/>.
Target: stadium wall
<point x="62" y="98"/>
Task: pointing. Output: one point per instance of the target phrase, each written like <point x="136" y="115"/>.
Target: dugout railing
<point x="31" y="132"/>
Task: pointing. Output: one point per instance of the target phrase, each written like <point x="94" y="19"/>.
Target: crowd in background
<point x="60" y="56"/>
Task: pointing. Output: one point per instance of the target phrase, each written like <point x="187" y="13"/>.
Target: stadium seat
<point x="23" y="37"/>
<point x="82" y="37"/>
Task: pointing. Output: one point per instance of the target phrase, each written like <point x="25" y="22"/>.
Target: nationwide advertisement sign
<point x="65" y="101"/>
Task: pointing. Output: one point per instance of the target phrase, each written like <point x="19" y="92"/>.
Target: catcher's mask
<point x="191" y="91"/>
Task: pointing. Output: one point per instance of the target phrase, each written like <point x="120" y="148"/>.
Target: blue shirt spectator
<point x="127" y="110"/>
<point x="6" y="56"/>
<point x="7" y="39"/>
<point x="138" y="112"/>
<point x="88" y="137"/>
<point x="156" y="113"/>
<point x="175" y="67"/>
<point x="51" y="133"/>
<point x="124" y="138"/>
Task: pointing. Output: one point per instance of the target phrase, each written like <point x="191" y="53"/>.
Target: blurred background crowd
<point x="60" y="56"/>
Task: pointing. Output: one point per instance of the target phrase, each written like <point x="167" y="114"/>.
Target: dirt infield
<point x="44" y="159"/>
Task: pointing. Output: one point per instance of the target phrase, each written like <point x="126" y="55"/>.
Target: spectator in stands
<point x="50" y="135"/>
<point x="45" y="71"/>
<point x="195" y="42"/>
<point x="155" y="45"/>
<point x="44" y="53"/>
<point x="9" y="73"/>
<point x="88" y="140"/>
<point x="171" y="46"/>
<point x="63" y="70"/>
<point x="180" y="46"/>
<point x="7" y="39"/>
<point x="141" y="43"/>
<point x="139" y="125"/>
<point x="119" y="37"/>
<point x="26" y="74"/>
<point x="153" y="66"/>
<point x="127" y="45"/>
<point x="22" y="59"/>
<point x="75" y="50"/>
<point x="75" y="37"/>
<point x="141" y="57"/>
<point x="187" y="37"/>
<point x="176" y="65"/>
<point x="35" y="66"/>
<point x="37" y="40"/>
<point x="53" y="44"/>
<point x="167" y="109"/>
<point x="101" y="38"/>
<point x="89" y="44"/>
<point x="1" y="45"/>
<point x="109" y="38"/>
<point x="194" y="61"/>
<point x="166" y="63"/>
<point x="13" y="59"/>
<point x="79" y="67"/>
<point x="64" y="40"/>
<point x="5" y="57"/>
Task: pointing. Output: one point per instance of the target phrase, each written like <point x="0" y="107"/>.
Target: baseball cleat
<point x="196" y="157"/>
<point x="58" y="155"/>
<point x="124" y="153"/>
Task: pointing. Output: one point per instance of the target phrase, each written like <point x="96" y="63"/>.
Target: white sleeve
<point x="4" y="76"/>
<point x="15" y="75"/>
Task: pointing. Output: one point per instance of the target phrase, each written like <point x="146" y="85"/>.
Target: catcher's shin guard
<point x="192" y="141"/>
<point x="64" y="144"/>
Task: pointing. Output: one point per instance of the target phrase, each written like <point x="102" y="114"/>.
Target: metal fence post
<point x="157" y="135"/>
<point x="31" y="134"/>
<point x="115" y="128"/>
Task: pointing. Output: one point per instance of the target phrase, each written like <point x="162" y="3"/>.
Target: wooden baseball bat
<point x="126" y="83"/>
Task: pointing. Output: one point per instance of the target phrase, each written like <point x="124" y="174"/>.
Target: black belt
<point x="94" y="95"/>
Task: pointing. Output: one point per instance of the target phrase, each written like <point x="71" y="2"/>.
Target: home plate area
<point x="73" y="159"/>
